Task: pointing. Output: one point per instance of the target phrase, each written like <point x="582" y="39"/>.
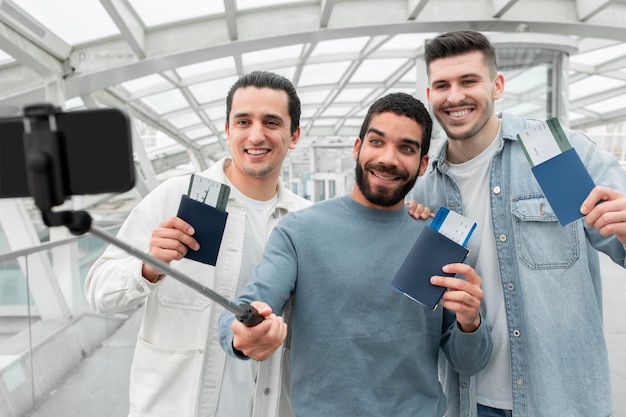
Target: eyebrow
<point x="265" y="116"/>
<point x="403" y="140"/>
<point x="461" y="77"/>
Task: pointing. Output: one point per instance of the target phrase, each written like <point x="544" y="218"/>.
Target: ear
<point x="294" y="139"/>
<point x="356" y="149"/>
<point x="423" y="165"/>
<point x="428" y="93"/>
<point x="498" y="86"/>
<point x="227" y="134"/>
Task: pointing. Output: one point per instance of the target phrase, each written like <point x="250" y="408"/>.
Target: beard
<point x="382" y="196"/>
<point x="473" y="130"/>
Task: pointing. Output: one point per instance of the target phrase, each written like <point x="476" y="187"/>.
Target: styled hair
<point x="401" y="104"/>
<point x="266" y="79"/>
<point x="459" y="43"/>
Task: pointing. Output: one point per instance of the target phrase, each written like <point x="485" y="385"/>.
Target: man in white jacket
<point x="179" y="368"/>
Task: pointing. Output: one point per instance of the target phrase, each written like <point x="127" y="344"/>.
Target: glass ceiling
<point x="170" y="63"/>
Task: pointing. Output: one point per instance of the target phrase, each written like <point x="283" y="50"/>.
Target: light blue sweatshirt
<point x="358" y="346"/>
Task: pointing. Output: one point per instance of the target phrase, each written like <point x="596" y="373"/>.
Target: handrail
<point x="47" y="245"/>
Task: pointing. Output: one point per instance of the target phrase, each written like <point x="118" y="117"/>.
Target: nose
<point x="256" y="133"/>
<point x="455" y="94"/>
<point x="389" y="156"/>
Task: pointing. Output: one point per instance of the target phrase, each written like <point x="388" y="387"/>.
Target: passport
<point x="209" y="224"/>
<point x="431" y="251"/>
<point x="558" y="169"/>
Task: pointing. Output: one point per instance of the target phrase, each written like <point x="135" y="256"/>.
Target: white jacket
<point x="179" y="328"/>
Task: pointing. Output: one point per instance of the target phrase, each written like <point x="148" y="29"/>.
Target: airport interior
<point x="168" y="65"/>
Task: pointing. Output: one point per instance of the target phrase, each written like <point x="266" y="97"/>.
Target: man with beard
<point x="358" y="346"/>
<point x="542" y="281"/>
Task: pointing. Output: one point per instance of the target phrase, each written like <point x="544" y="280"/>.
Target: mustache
<point x="461" y="104"/>
<point x="391" y="170"/>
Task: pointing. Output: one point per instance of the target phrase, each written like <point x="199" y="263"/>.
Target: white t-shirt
<point x="472" y="177"/>
<point x="237" y="393"/>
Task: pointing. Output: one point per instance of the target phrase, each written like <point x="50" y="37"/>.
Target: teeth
<point x="257" y="151"/>
<point x="382" y="177"/>
<point x="459" y="113"/>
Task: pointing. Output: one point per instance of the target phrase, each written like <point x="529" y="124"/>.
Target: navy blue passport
<point x="429" y="254"/>
<point x="209" y="224"/>
<point x="566" y="183"/>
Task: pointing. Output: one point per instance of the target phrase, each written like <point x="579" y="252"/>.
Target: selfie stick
<point x="44" y="165"/>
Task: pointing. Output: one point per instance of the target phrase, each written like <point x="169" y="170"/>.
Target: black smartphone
<point x="97" y="153"/>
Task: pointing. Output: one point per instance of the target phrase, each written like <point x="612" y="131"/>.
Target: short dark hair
<point x="266" y="79"/>
<point x="401" y="104"/>
<point x="459" y="43"/>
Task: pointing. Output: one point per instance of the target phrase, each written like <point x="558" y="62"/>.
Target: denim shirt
<point x="551" y="281"/>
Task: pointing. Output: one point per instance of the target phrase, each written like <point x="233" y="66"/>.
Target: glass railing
<point x="38" y="351"/>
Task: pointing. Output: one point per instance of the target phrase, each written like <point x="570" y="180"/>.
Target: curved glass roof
<point x="170" y="63"/>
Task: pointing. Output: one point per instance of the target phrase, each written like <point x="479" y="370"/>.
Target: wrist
<point x="470" y="327"/>
<point x="151" y="274"/>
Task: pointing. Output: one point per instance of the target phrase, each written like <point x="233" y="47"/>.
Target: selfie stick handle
<point x="47" y="183"/>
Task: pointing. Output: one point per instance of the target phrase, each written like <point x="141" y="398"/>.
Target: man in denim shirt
<point x="541" y="280"/>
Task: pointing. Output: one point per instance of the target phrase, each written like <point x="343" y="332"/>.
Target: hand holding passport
<point x="557" y="168"/>
<point x="443" y="242"/>
<point x="204" y="208"/>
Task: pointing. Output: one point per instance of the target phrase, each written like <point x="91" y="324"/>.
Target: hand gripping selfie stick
<point x="47" y="175"/>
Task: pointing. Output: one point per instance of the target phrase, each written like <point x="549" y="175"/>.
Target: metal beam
<point x="588" y="8"/>
<point x="500" y="7"/>
<point x="128" y="23"/>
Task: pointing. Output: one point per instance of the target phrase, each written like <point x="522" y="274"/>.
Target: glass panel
<point x="313" y="97"/>
<point x="206" y="67"/>
<point x="5" y="58"/>
<point x="372" y="70"/>
<point x="272" y="54"/>
<point x="256" y="4"/>
<point x="406" y="41"/>
<point x="606" y="106"/>
<point x="144" y="83"/>
<point x="167" y="101"/>
<point x="158" y="12"/>
<point x="529" y="77"/>
<point x="212" y="90"/>
<point x="336" y="46"/>
<point x="592" y="85"/>
<point x="185" y="120"/>
<point x="94" y="22"/>
<point x="321" y="190"/>
<point x="315" y="74"/>
<point x="353" y="95"/>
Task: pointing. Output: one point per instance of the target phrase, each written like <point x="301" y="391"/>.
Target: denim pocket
<point x="541" y="242"/>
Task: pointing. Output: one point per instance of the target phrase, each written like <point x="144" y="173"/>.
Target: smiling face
<point x="258" y="133"/>
<point x="462" y="94"/>
<point x="388" y="161"/>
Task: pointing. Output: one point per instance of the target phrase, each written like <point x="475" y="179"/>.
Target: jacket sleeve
<point x="114" y="282"/>
<point x="605" y="170"/>
<point x="467" y="353"/>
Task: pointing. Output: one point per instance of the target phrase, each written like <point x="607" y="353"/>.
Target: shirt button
<point x="139" y="288"/>
<point x="510" y="287"/>
<point x="516" y="333"/>
<point x="266" y="391"/>
<point x="496" y="190"/>
<point x="502" y="238"/>
<point x="520" y="382"/>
